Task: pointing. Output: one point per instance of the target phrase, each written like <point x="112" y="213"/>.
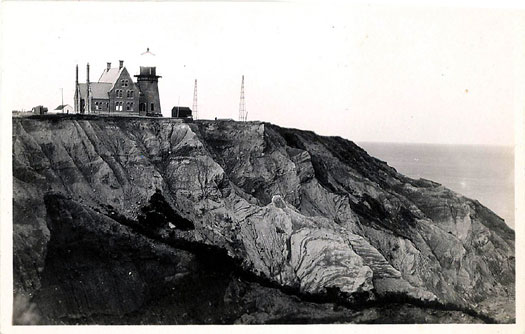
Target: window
<point x="129" y="93"/>
<point x="152" y="107"/>
<point x="118" y="106"/>
<point x="125" y="82"/>
<point x="142" y="107"/>
<point x="131" y="106"/>
<point x="119" y="92"/>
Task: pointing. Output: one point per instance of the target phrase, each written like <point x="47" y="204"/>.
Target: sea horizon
<point x="480" y="172"/>
<point x="359" y="142"/>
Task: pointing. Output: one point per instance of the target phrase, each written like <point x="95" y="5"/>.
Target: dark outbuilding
<point x="181" y="112"/>
<point x="39" y="110"/>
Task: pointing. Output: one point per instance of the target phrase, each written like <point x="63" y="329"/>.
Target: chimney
<point x="121" y="64"/>
<point x="87" y="73"/>
<point x="109" y="66"/>
<point x="76" y="72"/>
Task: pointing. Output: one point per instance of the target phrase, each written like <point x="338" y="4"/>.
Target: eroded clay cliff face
<point x="222" y="222"/>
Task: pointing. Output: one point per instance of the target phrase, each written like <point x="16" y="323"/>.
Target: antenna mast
<point x="243" y="115"/>
<point x="195" y="114"/>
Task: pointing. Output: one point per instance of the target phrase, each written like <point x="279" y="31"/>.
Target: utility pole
<point x="195" y="114"/>
<point x="242" y="104"/>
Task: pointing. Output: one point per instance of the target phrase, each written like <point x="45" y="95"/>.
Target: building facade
<point x="115" y="92"/>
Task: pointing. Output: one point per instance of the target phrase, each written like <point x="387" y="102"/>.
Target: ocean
<point x="485" y="173"/>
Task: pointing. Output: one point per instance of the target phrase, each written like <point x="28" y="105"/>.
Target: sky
<point x="367" y="72"/>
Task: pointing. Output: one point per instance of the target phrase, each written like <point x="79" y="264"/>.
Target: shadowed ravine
<point x="155" y="221"/>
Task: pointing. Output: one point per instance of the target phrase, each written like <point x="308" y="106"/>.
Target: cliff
<point x="129" y="220"/>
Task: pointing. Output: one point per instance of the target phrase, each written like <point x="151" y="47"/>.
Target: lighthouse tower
<point x="147" y="81"/>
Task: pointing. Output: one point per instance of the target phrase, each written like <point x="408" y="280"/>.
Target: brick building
<point x="147" y="81"/>
<point x="115" y="92"/>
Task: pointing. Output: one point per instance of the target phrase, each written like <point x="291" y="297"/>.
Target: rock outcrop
<point x="129" y="220"/>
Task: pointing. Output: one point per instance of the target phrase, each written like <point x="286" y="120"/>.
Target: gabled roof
<point x="111" y="75"/>
<point x="62" y="106"/>
<point x="99" y="90"/>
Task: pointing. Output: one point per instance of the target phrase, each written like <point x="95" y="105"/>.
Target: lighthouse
<point x="147" y="81"/>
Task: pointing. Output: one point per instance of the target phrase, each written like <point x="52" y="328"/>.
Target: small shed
<point x="181" y="112"/>
<point x="64" y="108"/>
<point x="39" y="110"/>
